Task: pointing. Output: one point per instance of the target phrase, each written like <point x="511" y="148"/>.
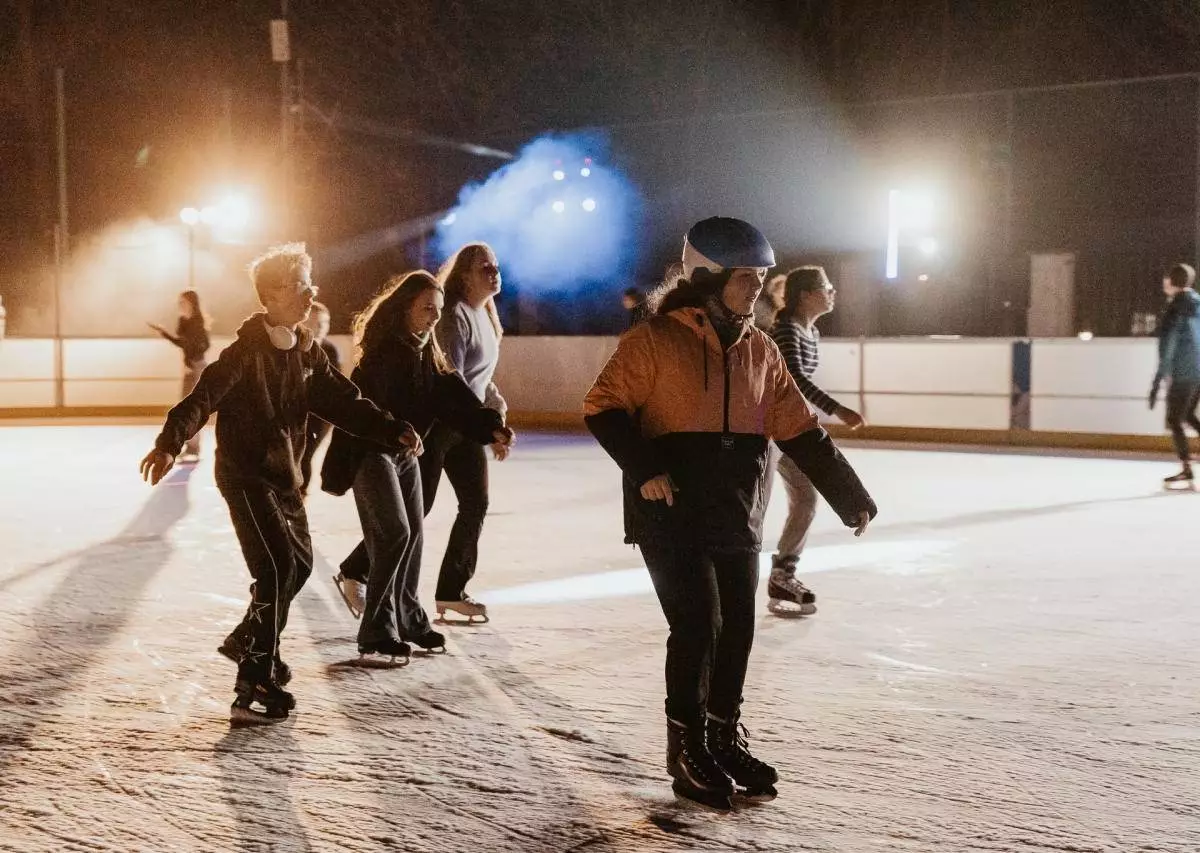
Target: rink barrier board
<point x="1089" y="393"/>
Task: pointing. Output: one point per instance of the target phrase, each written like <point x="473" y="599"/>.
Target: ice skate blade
<point x="713" y="802"/>
<point x="354" y="609"/>
<point x="1185" y="486"/>
<point x="756" y="796"/>
<point x="245" y="717"/>
<point x="468" y="619"/>
<point x="790" y="609"/>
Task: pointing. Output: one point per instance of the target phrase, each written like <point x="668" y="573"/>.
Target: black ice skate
<point x="787" y="596"/>
<point x="273" y="699"/>
<point x="698" y="777"/>
<point x="727" y="741"/>
<point x="430" y="641"/>
<point x="1182" y="480"/>
<point x="386" y="653"/>
<point x="235" y="650"/>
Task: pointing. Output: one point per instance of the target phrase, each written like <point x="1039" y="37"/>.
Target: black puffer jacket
<point x="404" y="381"/>
<point x="263" y="396"/>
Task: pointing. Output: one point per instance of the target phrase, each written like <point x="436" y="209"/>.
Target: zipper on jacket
<point x="726" y="437"/>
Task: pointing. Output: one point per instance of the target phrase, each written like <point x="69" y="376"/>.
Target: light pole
<point x="230" y="216"/>
<point x="190" y="216"/>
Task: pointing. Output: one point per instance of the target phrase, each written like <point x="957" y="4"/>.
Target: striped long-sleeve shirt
<point x="801" y="353"/>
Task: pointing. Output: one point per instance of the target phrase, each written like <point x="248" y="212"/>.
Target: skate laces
<point x="789" y="582"/>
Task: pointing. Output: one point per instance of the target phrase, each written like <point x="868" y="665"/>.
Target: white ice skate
<point x="468" y="607"/>
<point x="788" y="597"/>
<point x="353" y="592"/>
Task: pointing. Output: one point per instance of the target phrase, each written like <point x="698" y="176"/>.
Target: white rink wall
<point x="1093" y="387"/>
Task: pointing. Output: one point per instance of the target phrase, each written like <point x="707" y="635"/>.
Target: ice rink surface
<point x="1007" y="661"/>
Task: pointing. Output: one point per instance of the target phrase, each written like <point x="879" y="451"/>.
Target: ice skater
<point x="1179" y="364"/>
<point x="317" y="430"/>
<point x="191" y="336"/>
<point x="400" y="366"/>
<point x="686" y="407"/>
<point x="807" y="295"/>
<point x="263" y="386"/>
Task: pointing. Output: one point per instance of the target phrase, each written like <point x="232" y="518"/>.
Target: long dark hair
<point x="386" y="317"/>
<point x="800" y="281"/>
<point x="192" y="298"/>
<point x="453" y="276"/>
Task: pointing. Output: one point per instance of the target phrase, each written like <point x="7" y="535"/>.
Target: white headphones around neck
<point x="282" y="337"/>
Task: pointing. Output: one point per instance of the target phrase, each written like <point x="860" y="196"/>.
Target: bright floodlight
<point x="209" y="214"/>
<point x="450" y="218"/>
<point x="558" y="207"/>
<point x="589" y="204"/>
<point x="189" y="216"/>
<point x="234" y="211"/>
<point x="585" y="172"/>
<point x="560" y="175"/>
<point x="1085" y="336"/>
<point x="929" y="246"/>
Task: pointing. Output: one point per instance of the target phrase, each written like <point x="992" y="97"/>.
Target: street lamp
<point x="231" y="214"/>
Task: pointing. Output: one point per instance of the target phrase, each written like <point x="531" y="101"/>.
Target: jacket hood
<point x="254" y="331"/>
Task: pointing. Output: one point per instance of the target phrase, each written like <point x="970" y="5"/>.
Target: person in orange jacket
<point x="686" y="407"/>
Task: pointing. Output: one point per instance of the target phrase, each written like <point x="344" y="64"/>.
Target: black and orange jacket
<point x="674" y="400"/>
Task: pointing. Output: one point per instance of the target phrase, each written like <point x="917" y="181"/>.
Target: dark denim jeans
<point x="387" y="492"/>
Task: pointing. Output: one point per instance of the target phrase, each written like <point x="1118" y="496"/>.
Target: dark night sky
<point x="500" y="71"/>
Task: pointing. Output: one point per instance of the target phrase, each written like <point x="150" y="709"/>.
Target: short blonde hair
<point x="276" y="265"/>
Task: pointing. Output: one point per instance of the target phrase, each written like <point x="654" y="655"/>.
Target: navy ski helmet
<point x="721" y="243"/>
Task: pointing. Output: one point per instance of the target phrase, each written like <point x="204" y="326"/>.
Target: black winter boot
<point x="698" y="777"/>
<point x="727" y="741"/>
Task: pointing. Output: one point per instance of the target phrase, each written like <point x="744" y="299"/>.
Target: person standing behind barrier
<point x="807" y="296"/>
<point x="317" y="429"/>
<point x="191" y="336"/>
<point x="470" y="334"/>
<point x="1179" y="363"/>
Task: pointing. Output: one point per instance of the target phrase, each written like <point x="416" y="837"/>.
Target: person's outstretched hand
<point x="155" y="465"/>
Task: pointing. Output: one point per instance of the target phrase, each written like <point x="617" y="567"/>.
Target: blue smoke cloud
<point x="560" y="217"/>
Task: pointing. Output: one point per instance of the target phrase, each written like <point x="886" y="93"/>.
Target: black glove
<point x="1154" y="393"/>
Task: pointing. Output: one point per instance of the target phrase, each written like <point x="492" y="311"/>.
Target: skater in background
<point x="191" y="336"/>
<point x="263" y="386"/>
<point x="470" y="334"/>
<point x="400" y="365"/>
<point x="807" y="296"/>
<point x="686" y="407"/>
<point x="1179" y="363"/>
<point x="767" y="306"/>
<point x="317" y="429"/>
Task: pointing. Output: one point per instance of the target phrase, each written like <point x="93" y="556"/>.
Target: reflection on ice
<point x="907" y="557"/>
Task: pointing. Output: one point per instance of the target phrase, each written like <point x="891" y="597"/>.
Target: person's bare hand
<point x="502" y="444"/>
<point x="864" y="518"/>
<point x="660" y="488"/>
<point x="851" y="418"/>
<point x="155" y="465"/>
<point x="414" y="447"/>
